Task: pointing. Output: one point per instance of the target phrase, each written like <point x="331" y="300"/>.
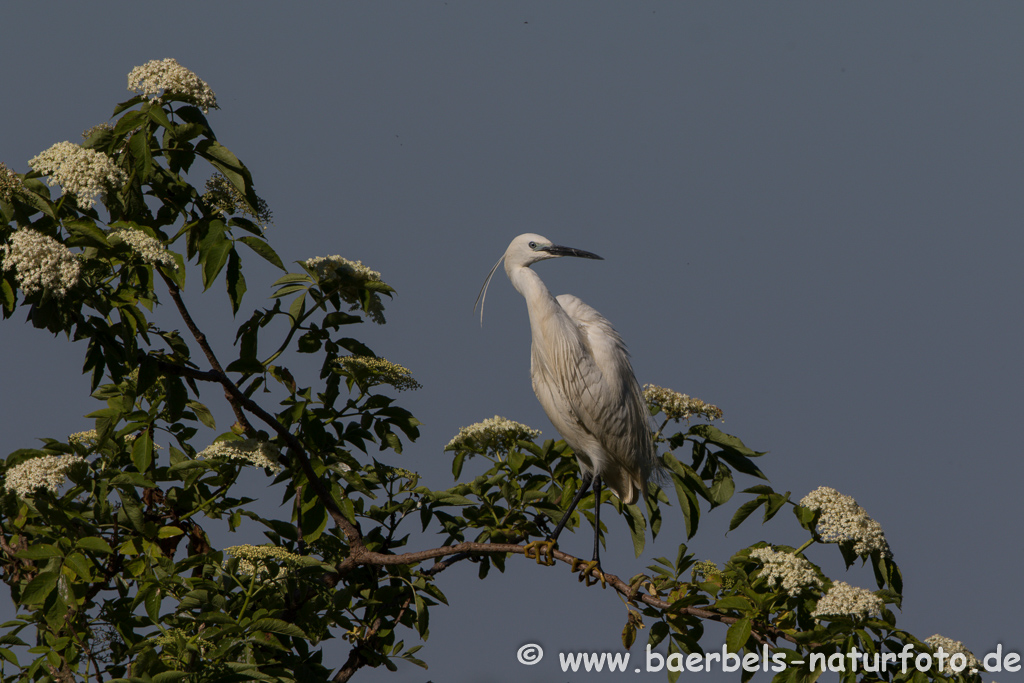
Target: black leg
<point x="597" y="520"/>
<point x="584" y="486"/>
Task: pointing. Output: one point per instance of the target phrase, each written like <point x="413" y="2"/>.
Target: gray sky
<point x="810" y="213"/>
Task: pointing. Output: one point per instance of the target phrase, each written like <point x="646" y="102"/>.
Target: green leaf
<point x="447" y="498"/>
<point x="722" y="488"/>
<point x="80" y="566"/>
<point x="158" y="115"/>
<point x="142" y="452"/>
<point x="40" y="588"/>
<point x="422" y="618"/>
<point x="169" y="532"/>
<point x="737" y="635"/>
<point x="278" y="626"/>
<point x="203" y="414"/>
<point x="9" y="656"/>
<point x="262" y="248"/>
<point x="41" y="551"/>
<point x="93" y="543"/>
<point x="245" y="365"/>
<point x="743" y="512"/>
<point x="170" y="676"/>
<point x="214" y="255"/>
<point x="637" y="528"/>
<point x="733" y="602"/>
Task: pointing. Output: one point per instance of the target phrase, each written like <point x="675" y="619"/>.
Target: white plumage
<point x="582" y="377"/>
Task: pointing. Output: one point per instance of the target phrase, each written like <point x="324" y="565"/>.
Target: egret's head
<point x="529" y="248"/>
<point x="526" y="250"/>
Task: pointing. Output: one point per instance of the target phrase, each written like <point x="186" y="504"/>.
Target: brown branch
<point x="461" y="551"/>
<point x="235" y="395"/>
<point x="200" y="338"/>
<point x="240" y="403"/>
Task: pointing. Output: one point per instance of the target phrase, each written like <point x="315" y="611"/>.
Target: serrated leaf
<point x="737" y="635"/>
<point x="262" y="248"/>
<point x="743" y="512"/>
<point x="733" y="602"/>
<point x="142" y="452"/>
<point x="445" y="498"/>
<point x="277" y="626"/>
<point x="214" y="256"/>
<point x="203" y="414"/>
<point x="40" y="588"/>
<point x="170" y="676"/>
<point x="93" y="543"/>
<point x="41" y="551"/>
<point x="637" y="528"/>
<point x="169" y="532"/>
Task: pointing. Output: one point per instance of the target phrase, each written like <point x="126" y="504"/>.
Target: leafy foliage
<point x="115" y="575"/>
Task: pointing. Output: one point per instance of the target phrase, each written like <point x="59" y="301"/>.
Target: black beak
<point x="569" y="251"/>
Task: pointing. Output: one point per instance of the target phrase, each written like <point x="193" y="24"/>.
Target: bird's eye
<point x="533" y="245"/>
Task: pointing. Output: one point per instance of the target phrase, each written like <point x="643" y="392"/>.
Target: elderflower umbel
<point x="253" y="559"/>
<point x="10" y="183"/>
<point x="951" y="647"/>
<point x="496" y="436"/>
<point x="84" y="173"/>
<point x="149" y="249"/>
<point x="795" y="574"/>
<point x="844" y="600"/>
<point x="679" y="406"/>
<point x="707" y="570"/>
<point x="380" y="371"/>
<point x="254" y="451"/>
<point x="843" y="520"/>
<point x="327" y="268"/>
<point x="40" y="262"/>
<point x="159" y="76"/>
<point x="222" y="193"/>
<point x="86" y="438"/>
<point x="47" y="471"/>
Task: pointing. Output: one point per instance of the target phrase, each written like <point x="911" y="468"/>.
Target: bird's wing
<point x="597" y="382"/>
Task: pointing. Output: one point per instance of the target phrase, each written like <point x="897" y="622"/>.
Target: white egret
<point x="583" y="378"/>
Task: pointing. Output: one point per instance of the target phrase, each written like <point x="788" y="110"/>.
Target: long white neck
<point x="545" y="312"/>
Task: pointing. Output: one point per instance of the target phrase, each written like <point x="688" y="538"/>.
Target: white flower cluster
<point x="86" y="438"/>
<point x="679" y="406"/>
<point x="380" y="371"/>
<point x="149" y="249"/>
<point x="222" y="193"/>
<point x="10" y="183"/>
<point x="253" y="559"/>
<point x="326" y="269"/>
<point x="795" y="574"/>
<point x="253" y="451"/>
<point x="843" y="520"/>
<point x="85" y="173"/>
<point x="707" y="570"/>
<point x="326" y="266"/>
<point x="951" y="647"/>
<point x="46" y="471"/>
<point x="159" y="76"/>
<point x="40" y="262"/>
<point x="844" y="600"/>
<point x="496" y="436"/>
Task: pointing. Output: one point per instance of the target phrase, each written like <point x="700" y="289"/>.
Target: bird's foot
<point x="590" y="572"/>
<point x="542" y="551"/>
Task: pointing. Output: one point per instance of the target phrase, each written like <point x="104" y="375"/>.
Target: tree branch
<point x="461" y="551"/>
<point x="240" y="403"/>
<point x="200" y="338"/>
